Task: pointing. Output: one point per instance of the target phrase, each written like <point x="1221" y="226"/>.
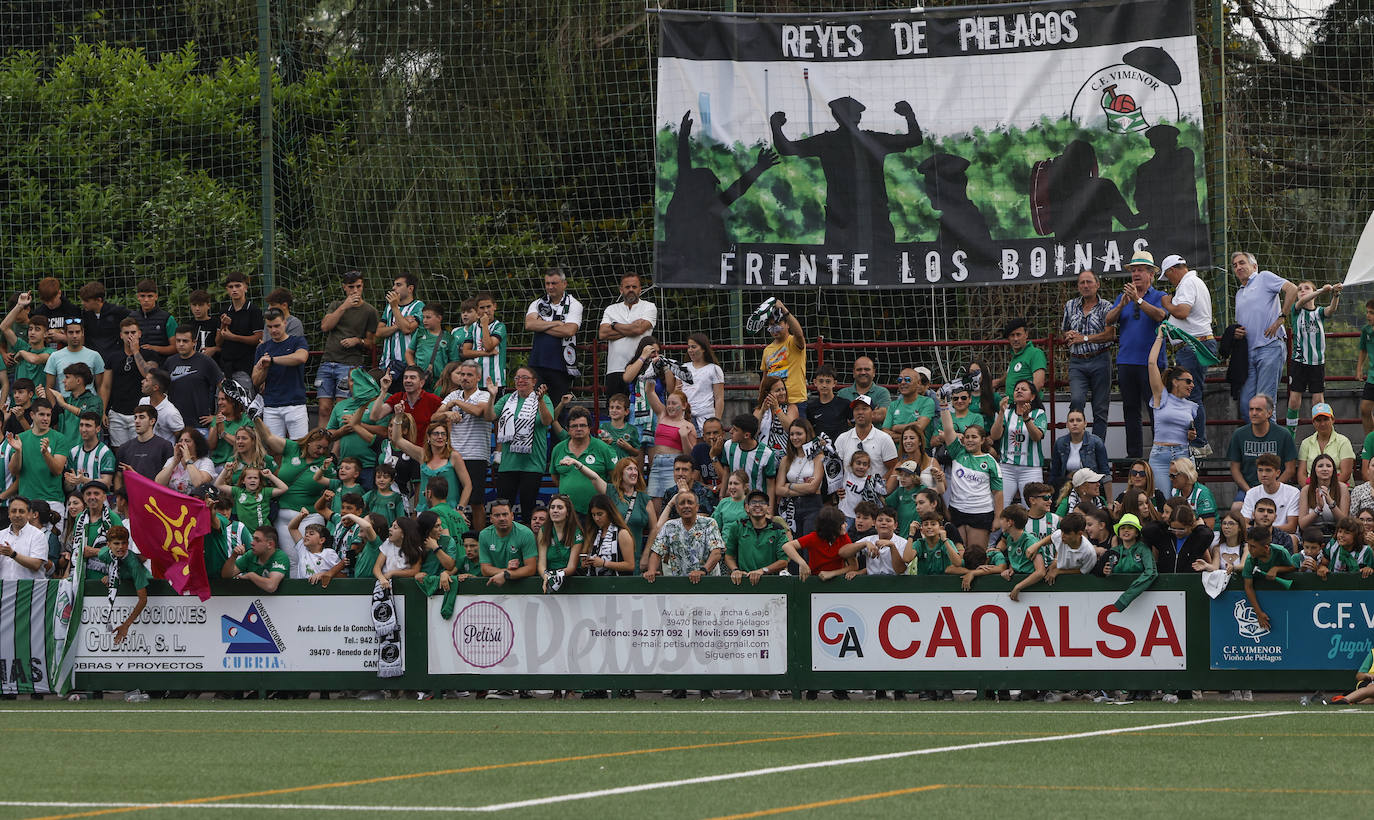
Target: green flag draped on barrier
<point x="38" y="622"/>
<point x="365" y="389"/>
<point x="1205" y="356"/>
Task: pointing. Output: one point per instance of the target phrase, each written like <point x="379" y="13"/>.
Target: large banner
<point x="611" y="635"/>
<point x="270" y="633"/>
<point x="35" y="631"/>
<point x="1061" y="631"/>
<point x="927" y="149"/>
<point x="1307" y="630"/>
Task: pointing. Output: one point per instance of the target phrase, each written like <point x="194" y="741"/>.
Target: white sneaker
<point x="501" y="694"/>
<point x="1170" y="698"/>
<point x="1247" y="695"/>
<point x="1234" y="696"/>
<point x="1053" y="697"/>
<point x="374" y="695"/>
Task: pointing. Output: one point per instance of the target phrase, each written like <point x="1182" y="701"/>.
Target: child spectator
<point x="859" y="485"/>
<point x="1228" y="547"/>
<point x="1347" y="551"/>
<point x="1268" y="468"/>
<point x="75" y="399"/>
<point x="30" y="351"/>
<point x="933" y="553"/>
<point x="1311" y="556"/>
<point x="1270" y="560"/>
<point x="903" y="498"/>
<point x="1071" y="547"/>
<point x="383" y="499"/>
<point x="1039" y="501"/>
<point x="1307" y="371"/>
<point x="885" y="551"/>
<point x="431" y="347"/>
<point x="828" y="414"/>
<point x="1131" y="556"/>
<point x="822" y="548"/>
<point x="975" y="484"/>
<point x="314" y="545"/>
<point x="124" y="566"/>
<point x="486" y="343"/>
<point x="252" y="497"/>
<point x="1022" y="555"/>
<point x="401" y="554"/>
<point x="617" y="431"/>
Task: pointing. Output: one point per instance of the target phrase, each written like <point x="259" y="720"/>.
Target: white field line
<point x="916" y="711"/>
<point x="663" y="784"/>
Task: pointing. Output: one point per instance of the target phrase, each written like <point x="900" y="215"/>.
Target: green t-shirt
<point x="352" y="444"/>
<point x="23" y="369"/>
<point x="931" y="559"/>
<point x="299" y="475"/>
<point x="599" y="456"/>
<point x="36" y="481"/>
<point x="754" y="548"/>
<point x="1367" y="348"/>
<point x="367" y="558"/>
<point x="996" y="558"/>
<point x="1278" y="557"/>
<point x="499" y="550"/>
<point x="961" y="423"/>
<point x="452" y="520"/>
<point x="278" y="561"/>
<point x="216" y="546"/>
<point x="557" y="554"/>
<point x="611" y="434"/>
<point x="1023" y="365"/>
<point x="536" y="460"/>
<point x="130" y="568"/>
<point x="881" y="396"/>
<point x="1016" y="552"/>
<point x="430" y="565"/>
<point x="253" y="509"/>
<point x="727" y="512"/>
<point x="224" y="448"/>
<point x="390" y="506"/>
<point x="336" y="503"/>
<point x="904" y="502"/>
<point x="433" y="351"/>
<point x="899" y="412"/>
<point x="68" y="421"/>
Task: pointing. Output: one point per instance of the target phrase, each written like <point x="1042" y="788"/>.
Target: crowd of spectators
<point x="430" y="457"/>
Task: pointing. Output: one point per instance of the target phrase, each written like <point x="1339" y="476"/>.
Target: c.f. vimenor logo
<point x="1131" y="95"/>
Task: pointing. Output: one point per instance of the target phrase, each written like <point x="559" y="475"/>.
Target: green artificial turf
<point x="458" y="753"/>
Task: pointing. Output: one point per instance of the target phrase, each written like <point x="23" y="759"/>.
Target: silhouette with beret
<point x="1166" y="194"/>
<point x="694" y="222"/>
<point x="856" y="206"/>
<point x="962" y="225"/>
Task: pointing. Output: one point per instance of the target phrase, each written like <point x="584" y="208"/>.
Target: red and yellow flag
<point x="169" y="529"/>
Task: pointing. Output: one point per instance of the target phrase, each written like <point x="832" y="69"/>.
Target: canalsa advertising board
<point x="952" y="632"/>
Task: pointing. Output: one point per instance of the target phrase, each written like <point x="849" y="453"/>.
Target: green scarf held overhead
<point x="365" y="389"/>
<point x="1205" y="357"/>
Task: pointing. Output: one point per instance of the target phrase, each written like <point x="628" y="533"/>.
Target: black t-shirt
<point x="193" y="385"/>
<point x="56" y="316"/>
<point x="126" y="383"/>
<point x="203" y="330"/>
<point x="236" y="356"/>
<point x="709" y="467"/>
<point x="146" y="457"/>
<point x="102" y="332"/>
<point x="832" y="418"/>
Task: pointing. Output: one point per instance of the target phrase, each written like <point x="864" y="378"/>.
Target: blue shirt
<point x="1257" y="306"/>
<point x="1138" y="330"/>
<point x="1173" y="418"/>
<point x="285" y="384"/>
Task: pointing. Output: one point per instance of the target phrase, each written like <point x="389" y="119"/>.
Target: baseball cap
<point x="862" y="398"/>
<point x="909" y="466"/>
<point x="98" y="485"/>
<point x="1322" y="409"/>
<point x="924" y="371"/>
<point x="1128" y="520"/>
<point x="1170" y="261"/>
<point x="1083" y="475"/>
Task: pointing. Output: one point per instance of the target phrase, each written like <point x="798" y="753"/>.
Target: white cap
<point x="1083" y="475"/>
<point x="1172" y="260"/>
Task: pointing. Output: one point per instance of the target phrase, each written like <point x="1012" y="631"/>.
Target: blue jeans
<point x="1266" y="366"/>
<point x="331" y="381"/>
<point x="1160" y="457"/>
<point x="1091" y="380"/>
<point x="1187" y="359"/>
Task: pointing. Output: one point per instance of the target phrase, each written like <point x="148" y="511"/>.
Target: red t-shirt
<point x="822" y="555"/>
<point x="422" y="411"/>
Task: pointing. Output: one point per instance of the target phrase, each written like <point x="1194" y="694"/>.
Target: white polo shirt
<point x="1193" y="291"/>
<point x="620" y="351"/>
<point x="29" y="542"/>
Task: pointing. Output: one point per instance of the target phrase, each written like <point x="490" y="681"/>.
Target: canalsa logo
<point x="251" y="635"/>
<point x="483" y="634"/>
<point x="841" y="633"/>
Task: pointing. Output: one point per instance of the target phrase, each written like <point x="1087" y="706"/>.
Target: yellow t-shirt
<point x="786" y="360"/>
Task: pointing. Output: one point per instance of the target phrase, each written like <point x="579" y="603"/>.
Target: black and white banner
<point x="936" y="148"/>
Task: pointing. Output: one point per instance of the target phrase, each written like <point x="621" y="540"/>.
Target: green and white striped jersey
<point x="1038" y="528"/>
<point x="761" y="463"/>
<point x="91" y="463"/>
<point x="1309" y="336"/>
<point x="491" y="368"/>
<point x="1016" y="447"/>
<point x="394" y="347"/>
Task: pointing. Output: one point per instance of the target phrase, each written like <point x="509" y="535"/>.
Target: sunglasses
<point x="904" y="380"/>
<point x="1137" y="472"/>
<point x="1171" y="475"/>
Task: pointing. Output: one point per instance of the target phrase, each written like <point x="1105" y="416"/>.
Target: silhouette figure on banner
<point x="694" y="223"/>
<point x="856" y="207"/>
<point x="962" y="225"/>
<point x="1166" y="194"/>
<point x="1069" y="199"/>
